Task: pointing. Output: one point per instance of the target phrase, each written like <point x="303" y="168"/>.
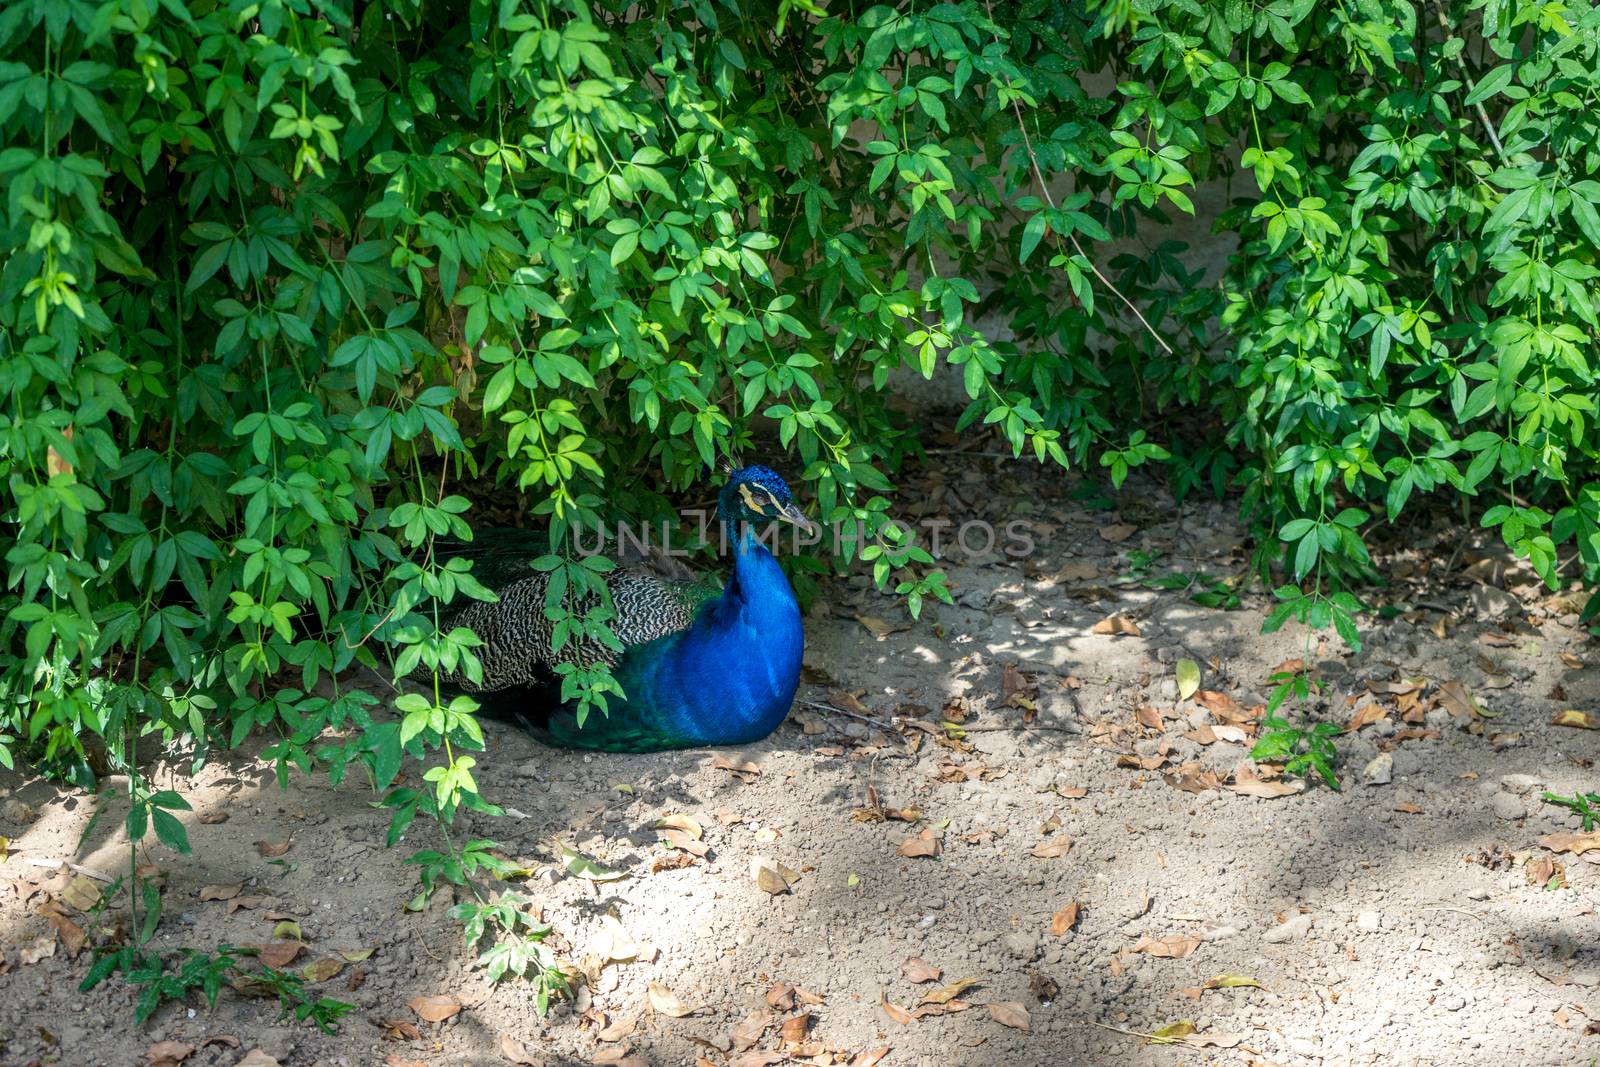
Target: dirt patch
<point x="1393" y="922"/>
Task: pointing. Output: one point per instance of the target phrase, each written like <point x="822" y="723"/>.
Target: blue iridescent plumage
<point x="698" y="668"/>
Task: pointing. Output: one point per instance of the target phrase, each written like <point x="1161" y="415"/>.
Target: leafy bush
<point x="281" y="276"/>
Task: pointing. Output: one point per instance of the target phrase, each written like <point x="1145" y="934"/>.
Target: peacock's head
<point x="757" y="496"/>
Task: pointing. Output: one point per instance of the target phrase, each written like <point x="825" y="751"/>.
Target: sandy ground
<point x="1408" y="921"/>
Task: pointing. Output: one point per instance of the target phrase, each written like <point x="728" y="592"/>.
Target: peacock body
<point x="699" y="666"/>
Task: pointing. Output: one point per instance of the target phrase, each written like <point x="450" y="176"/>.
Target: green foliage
<point x="279" y="276"/>
<point x="514" y="945"/>
<point x="1301" y="749"/>
<point x="206" y="973"/>
<point x="1209" y="591"/>
<point x="1584" y="805"/>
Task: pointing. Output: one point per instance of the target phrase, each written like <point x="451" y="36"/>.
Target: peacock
<point x="699" y="666"/>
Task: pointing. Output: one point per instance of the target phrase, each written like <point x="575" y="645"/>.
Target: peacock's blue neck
<point x="731" y="677"/>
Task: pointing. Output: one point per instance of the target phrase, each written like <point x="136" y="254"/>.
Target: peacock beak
<point x="795" y="517"/>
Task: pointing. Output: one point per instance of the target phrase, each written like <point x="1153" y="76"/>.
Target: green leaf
<point x="1187" y="674"/>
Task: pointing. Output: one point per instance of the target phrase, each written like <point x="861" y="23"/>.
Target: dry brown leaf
<point x="1115" y="534"/>
<point x="42" y="947"/>
<point x="278" y="954"/>
<point x="949" y="1007"/>
<point x="1247" y="783"/>
<point x="80" y="893"/>
<point x="1072" y="792"/>
<point x="917" y="970"/>
<point x="924" y="844"/>
<point x="399" y="1030"/>
<point x="322" y="970"/>
<point x="876" y="626"/>
<point x="614" y="944"/>
<point x="686" y="824"/>
<point x="1149" y="717"/>
<point x="1573" y="661"/>
<point x="666" y="1002"/>
<point x="1578" y="720"/>
<point x="1170" y="947"/>
<point x="1014" y="686"/>
<point x="1212" y="1040"/>
<point x="168" y="1053"/>
<point x="617" y="1030"/>
<point x="435" y="1009"/>
<point x="1543" y="870"/>
<point x="1064" y="920"/>
<point x="894" y="1011"/>
<point x="1009" y="1013"/>
<point x="73" y="936"/>
<point x="220" y="892"/>
<point x="1193" y="778"/>
<point x="272" y="850"/>
<point x="1081" y="570"/>
<point x="1116" y="626"/>
<point x="54" y="462"/>
<point x="684" y="842"/>
<point x="1575" y="843"/>
<point x="868" y="1058"/>
<point x="781" y="996"/>
<point x="1457" y="699"/>
<point x="1052" y="848"/>
<point x="237" y="903"/>
<point x="793" y="1031"/>
<point x="671" y="861"/>
<point x="1405" y="807"/>
<point x="518" y="1053"/>
<point x="747" y="1031"/>
<point x="1224" y="707"/>
<point x="740" y="767"/>
<point x="755" y="1058"/>
<point x="256" y="1058"/>
<point x="621" y="1056"/>
<point x="946" y="993"/>
<point x="1366" y="715"/>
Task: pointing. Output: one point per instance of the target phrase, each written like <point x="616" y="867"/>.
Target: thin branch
<point x="1038" y="176"/>
<point x="1466" y="76"/>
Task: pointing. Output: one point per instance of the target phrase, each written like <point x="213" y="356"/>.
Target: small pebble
<point x="1293" y="930"/>
<point x="1506" y="806"/>
<point x="1380" y="771"/>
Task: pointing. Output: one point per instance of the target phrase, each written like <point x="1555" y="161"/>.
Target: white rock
<point x="1380" y="771"/>
<point x="1293" y="930"/>
<point x="1492" y="603"/>
<point x="1506" y="806"/>
<point x="1369" y="921"/>
<point x="1520" y="784"/>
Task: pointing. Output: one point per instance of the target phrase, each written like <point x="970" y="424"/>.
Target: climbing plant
<point x="282" y="277"/>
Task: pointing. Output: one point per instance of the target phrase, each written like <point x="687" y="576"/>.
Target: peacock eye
<point x="756" y="498"/>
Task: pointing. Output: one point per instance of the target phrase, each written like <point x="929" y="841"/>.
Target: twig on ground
<point x="829" y="709"/>
<point x="76" y="868"/>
